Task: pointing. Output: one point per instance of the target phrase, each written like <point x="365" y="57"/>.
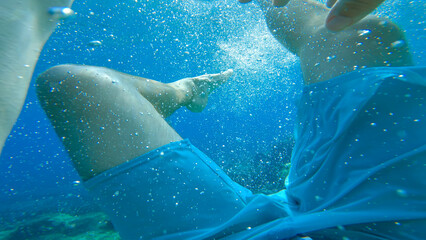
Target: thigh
<point x="373" y="42"/>
<point x="101" y="119"/>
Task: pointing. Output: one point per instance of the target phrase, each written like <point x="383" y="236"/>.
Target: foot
<point x="197" y="89"/>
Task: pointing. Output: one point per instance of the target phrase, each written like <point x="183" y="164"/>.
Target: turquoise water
<point x="167" y="40"/>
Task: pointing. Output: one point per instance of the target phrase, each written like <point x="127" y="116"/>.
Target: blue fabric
<point x="359" y="158"/>
<point x="356" y="141"/>
<point x="173" y="189"/>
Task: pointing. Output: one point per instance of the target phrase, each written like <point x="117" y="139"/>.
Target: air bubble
<point x="383" y="23"/>
<point x="398" y="44"/>
<point x="364" y="32"/>
<point x="60" y="12"/>
<point x="95" y="43"/>
<point x="329" y="58"/>
<point x="401" y="193"/>
<point x="318" y="198"/>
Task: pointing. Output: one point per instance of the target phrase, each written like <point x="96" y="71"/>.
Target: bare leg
<point x="105" y="118"/>
<point x="189" y="92"/>
<point x="372" y="42"/>
<point x="25" y="26"/>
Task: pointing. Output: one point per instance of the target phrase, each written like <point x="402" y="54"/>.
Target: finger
<point x="347" y="12"/>
<point x="244" y="1"/>
<point x="330" y="3"/>
<point x="280" y="3"/>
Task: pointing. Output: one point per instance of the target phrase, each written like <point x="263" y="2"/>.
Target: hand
<point x="276" y="3"/>
<point x="344" y="13"/>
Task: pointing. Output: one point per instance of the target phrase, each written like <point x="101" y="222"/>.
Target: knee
<point x="65" y="81"/>
<point x="52" y="76"/>
<point x="379" y="28"/>
<point x="51" y="83"/>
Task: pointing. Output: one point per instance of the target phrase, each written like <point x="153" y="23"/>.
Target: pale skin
<point x="25" y="27"/>
<point x="327" y="51"/>
<point x="303" y="36"/>
<point x="29" y="19"/>
<point x="105" y="118"/>
<point x="372" y="42"/>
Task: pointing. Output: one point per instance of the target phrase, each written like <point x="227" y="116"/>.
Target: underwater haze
<point x="248" y="119"/>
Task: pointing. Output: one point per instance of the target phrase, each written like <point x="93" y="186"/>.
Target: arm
<point x="344" y="13"/>
<point x="25" y="26"/>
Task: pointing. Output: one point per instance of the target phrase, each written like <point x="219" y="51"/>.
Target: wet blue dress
<point x="358" y="171"/>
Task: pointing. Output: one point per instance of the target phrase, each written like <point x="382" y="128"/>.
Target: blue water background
<point x="167" y="41"/>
